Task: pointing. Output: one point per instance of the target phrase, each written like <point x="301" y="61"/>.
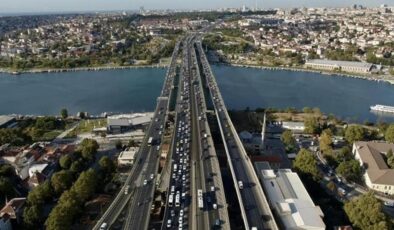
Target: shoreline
<point x="98" y="68"/>
<point x="378" y="78"/>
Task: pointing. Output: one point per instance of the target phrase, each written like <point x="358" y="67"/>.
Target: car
<point x="180" y="220"/>
<point x="139" y="203"/>
<point x="181" y="213"/>
<point x="103" y="226"/>
<point x="215" y="206"/>
<point x="169" y="223"/>
<point x="212" y="188"/>
<point x="145" y="182"/>
<point x="152" y="176"/>
<point x="240" y="185"/>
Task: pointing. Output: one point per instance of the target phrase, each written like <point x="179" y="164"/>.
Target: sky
<point x="15" y="6"/>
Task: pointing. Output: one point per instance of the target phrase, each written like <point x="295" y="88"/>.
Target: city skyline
<point x="101" y="5"/>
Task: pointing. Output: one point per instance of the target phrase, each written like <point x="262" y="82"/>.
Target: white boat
<point x="382" y="108"/>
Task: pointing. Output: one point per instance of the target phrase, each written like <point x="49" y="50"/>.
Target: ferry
<point x="382" y="108"/>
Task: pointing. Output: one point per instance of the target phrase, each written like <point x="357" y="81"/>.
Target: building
<point x="377" y="174"/>
<point x="127" y="157"/>
<point x="293" y="126"/>
<point x="13" y="209"/>
<point x="6" y="121"/>
<point x="289" y="199"/>
<point x="345" y="66"/>
<point x="124" y="123"/>
<point x="5" y="223"/>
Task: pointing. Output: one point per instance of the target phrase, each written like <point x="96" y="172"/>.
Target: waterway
<point x="135" y="90"/>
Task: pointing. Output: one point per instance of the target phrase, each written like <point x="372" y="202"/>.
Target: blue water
<point x="135" y="90"/>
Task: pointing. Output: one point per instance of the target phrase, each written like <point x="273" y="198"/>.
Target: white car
<point x="169" y="223"/>
<point x="152" y="176"/>
<point x="181" y="213"/>
<point x="145" y="182"/>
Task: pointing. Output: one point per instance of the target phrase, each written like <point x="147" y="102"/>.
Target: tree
<point x="118" y="145"/>
<point x="288" y="140"/>
<point x="132" y="143"/>
<point x="86" y="184"/>
<point x="40" y="194"/>
<point x="65" y="162"/>
<point x="326" y="141"/>
<point x="61" y="181"/>
<point x="6" y="187"/>
<point x="365" y="212"/>
<point x="77" y="166"/>
<point x="354" y="133"/>
<point x="389" y="135"/>
<point x="64" y="113"/>
<point x="305" y="163"/>
<point x="390" y="158"/>
<point x="344" y="154"/>
<point x="32" y="216"/>
<point x="350" y="170"/>
<point x="88" y="149"/>
<point x="312" y="125"/>
<point x="107" y="165"/>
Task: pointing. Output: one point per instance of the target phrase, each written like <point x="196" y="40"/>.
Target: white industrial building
<point x="346" y="66"/>
<point x="377" y="174"/>
<point x="289" y="199"/>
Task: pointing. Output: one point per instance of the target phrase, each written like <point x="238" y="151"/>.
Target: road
<point x="146" y="161"/>
<point x="254" y="206"/>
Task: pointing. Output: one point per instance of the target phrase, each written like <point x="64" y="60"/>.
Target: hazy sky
<point x="10" y="6"/>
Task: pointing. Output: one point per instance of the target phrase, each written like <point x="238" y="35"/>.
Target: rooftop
<point x="340" y="63"/>
<point x="288" y="196"/>
<point x="371" y="154"/>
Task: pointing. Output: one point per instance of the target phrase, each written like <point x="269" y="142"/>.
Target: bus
<point x="177" y="197"/>
<point x="200" y="199"/>
<point x="150" y="141"/>
<point x="170" y="200"/>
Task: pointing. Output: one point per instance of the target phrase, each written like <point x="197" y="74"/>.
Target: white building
<point x="293" y="126"/>
<point x="127" y="157"/>
<point x="289" y="199"/>
<point x="378" y="175"/>
<point x="346" y="66"/>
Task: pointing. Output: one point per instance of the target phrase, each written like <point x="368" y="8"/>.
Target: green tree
<point x="344" y="154"/>
<point x="88" y="149"/>
<point x="307" y="110"/>
<point x="6" y="187"/>
<point x="350" y="170"/>
<point x="86" y="184"/>
<point x="40" y="194"/>
<point x="331" y="186"/>
<point x="390" y="158"/>
<point x="118" y="145"/>
<point x="305" y="163"/>
<point x="389" y="135"/>
<point x="32" y="216"/>
<point x="65" y="162"/>
<point x="61" y="181"/>
<point x="64" y="113"/>
<point x="326" y="141"/>
<point x="365" y="212"/>
<point x="312" y="125"/>
<point x="354" y="133"/>
<point x="77" y="166"/>
<point x="107" y="165"/>
<point x="132" y="143"/>
<point x="288" y="140"/>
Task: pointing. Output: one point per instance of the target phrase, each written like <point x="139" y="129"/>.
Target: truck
<point x="150" y="140"/>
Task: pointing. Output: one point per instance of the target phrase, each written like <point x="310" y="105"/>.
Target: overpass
<point x="146" y="162"/>
<point x="255" y="210"/>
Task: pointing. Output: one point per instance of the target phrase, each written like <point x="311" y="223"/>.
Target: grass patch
<point x="87" y="126"/>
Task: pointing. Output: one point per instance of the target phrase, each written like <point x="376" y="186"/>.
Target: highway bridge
<point x="254" y="207"/>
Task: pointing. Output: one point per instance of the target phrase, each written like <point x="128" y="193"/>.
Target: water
<point x="135" y="90"/>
